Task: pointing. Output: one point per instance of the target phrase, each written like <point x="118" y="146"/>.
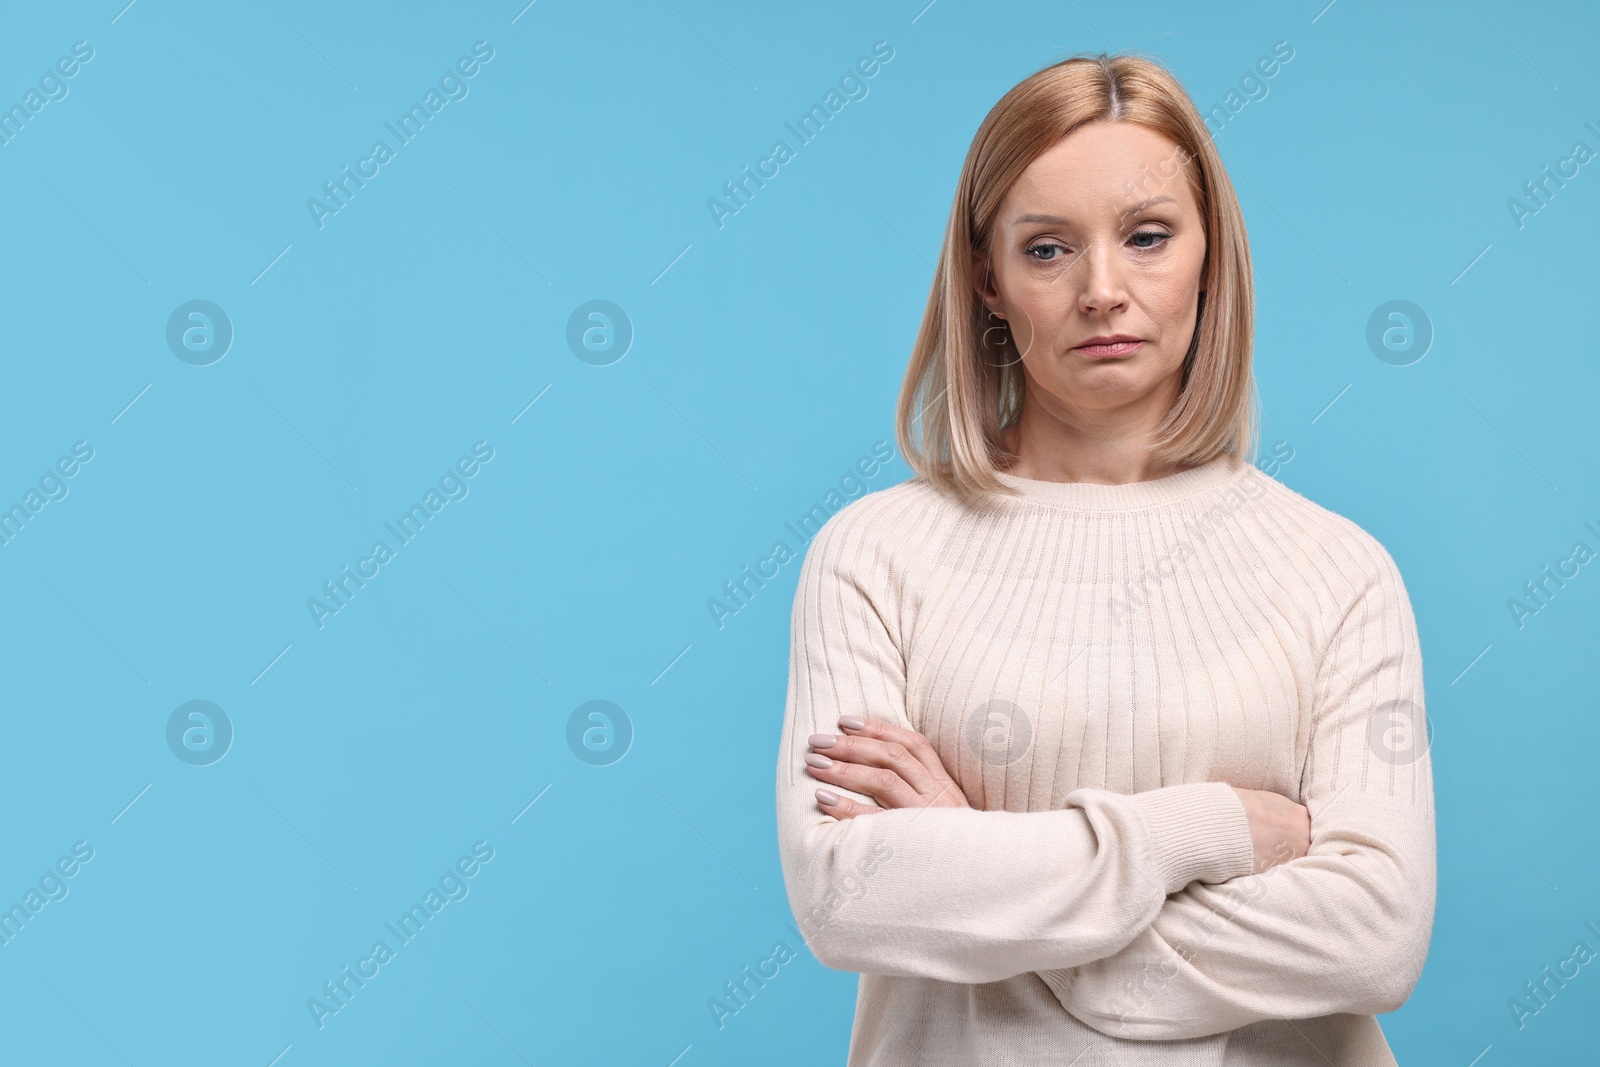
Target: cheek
<point x="1040" y="307"/>
<point x="1035" y="319"/>
<point x="1171" y="304"/>
<point x="1169" y="298"/>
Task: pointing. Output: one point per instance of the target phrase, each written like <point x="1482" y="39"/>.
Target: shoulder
<point x="883" y="516"/>
<point x="862" y="553"/>
<point x="1319" y="539"/>
<point x="876" y="533"/>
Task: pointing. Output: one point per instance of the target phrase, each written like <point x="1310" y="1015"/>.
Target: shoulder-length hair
<point x="962" y="388"/>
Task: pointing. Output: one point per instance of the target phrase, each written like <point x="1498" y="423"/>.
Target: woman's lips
<point x="1119" y="348"/>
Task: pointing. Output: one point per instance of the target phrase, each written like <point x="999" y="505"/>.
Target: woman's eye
<point x="1144" y="241"/>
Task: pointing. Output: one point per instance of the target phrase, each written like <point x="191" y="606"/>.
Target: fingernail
<point x="852" y="722"/>
<point x="822" y="740"/>
<point x="817" y="760"/>
<point x="828" y="796"/>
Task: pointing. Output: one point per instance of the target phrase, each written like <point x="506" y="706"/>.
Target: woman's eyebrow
<point x="1061" y="221"/>
<point x="1141" y="205"/>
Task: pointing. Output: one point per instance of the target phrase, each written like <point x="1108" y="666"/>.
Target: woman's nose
<point x="1103" y="282"/>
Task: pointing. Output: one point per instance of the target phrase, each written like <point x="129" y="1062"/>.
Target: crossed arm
<point x="1140" y="912"/>
<point x="1344" y="928"/>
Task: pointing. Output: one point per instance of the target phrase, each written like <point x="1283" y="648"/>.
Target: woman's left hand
<point x="895" y="766"/>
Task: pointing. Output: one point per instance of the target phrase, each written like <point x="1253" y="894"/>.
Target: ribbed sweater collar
<point x="1213" y="475"/>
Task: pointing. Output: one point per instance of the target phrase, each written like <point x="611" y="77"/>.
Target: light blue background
<point x="428" y="314"/>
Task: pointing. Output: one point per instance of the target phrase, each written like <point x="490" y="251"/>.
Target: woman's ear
<point x="983" y="283"/>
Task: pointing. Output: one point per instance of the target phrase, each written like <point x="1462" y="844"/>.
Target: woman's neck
<point x="1102" y="460"/>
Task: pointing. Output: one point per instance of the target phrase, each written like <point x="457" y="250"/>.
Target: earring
<point x="1005" y="337"/>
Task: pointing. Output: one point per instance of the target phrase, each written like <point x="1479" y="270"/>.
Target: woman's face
<point x="1101" y="235"/>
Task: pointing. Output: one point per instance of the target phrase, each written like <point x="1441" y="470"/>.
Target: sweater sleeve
<point x="960" y="894"/>
<point x="1343" y="929"/>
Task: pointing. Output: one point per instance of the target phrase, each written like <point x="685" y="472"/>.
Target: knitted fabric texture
<point x="1095" y="666"/>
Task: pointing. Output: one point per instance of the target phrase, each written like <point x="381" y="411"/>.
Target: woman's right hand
<point x="1280" y="828"/>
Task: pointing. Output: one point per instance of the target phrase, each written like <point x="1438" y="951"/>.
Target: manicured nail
<point x="821" y="740"/>
<point x="828" y="797"/>
<point x="818" y="760"/>
<point x="852" y="722"/>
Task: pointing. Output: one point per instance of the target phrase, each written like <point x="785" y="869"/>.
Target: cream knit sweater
<point x="1095" y="665"/>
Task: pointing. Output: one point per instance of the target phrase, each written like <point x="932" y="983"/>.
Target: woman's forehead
<point x="1067" y="189"/>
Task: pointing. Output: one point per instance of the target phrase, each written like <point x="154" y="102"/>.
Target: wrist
<point x="1197" y="831"/>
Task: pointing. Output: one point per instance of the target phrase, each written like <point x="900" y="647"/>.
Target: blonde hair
<point x="960" y="389"/>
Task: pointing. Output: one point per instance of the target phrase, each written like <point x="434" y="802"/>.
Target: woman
<point x="1101" y="746"/>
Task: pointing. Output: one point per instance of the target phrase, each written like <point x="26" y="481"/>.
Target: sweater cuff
<point x="1198" y="832"/>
